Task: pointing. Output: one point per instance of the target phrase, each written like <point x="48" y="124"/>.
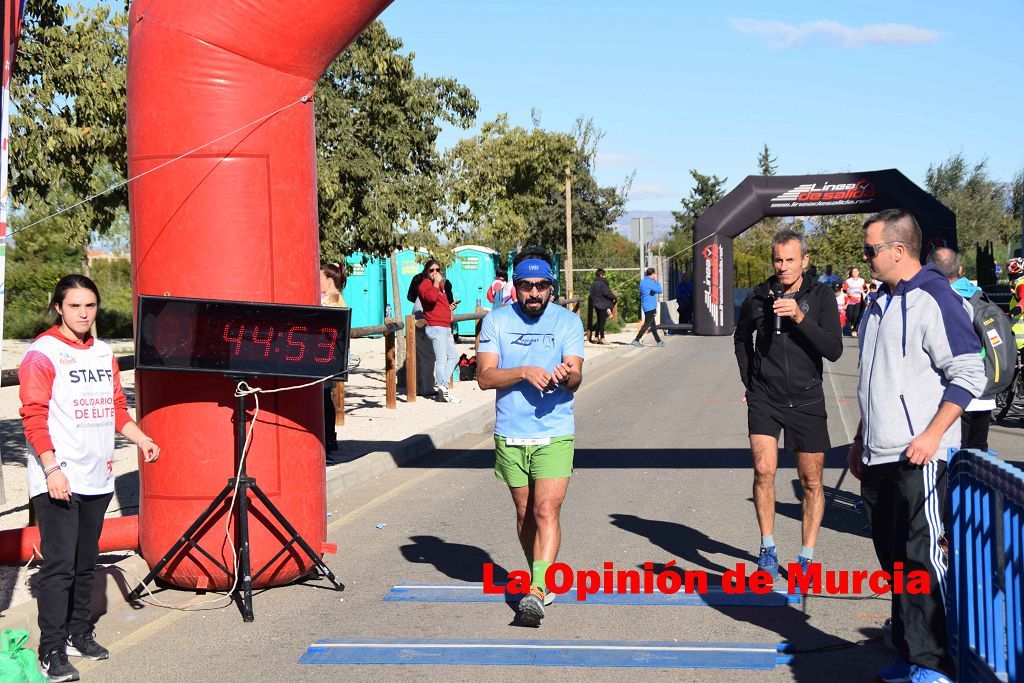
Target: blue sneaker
<point x="769" y="561"/>
<point x="805" y="565"/>
<point x="897" y="672"/>
<point x="921" y="674"/>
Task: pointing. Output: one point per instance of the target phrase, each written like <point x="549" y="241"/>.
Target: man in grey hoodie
<point x="920" y="366"/>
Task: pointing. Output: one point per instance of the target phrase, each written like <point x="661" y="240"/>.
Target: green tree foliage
<point x="40" y="257"/>
<point x="705" y="194"/>
<point x="981" y="204"/>
<point x="1017" y="199"/>
<point x="837" y="241"/>
<point x="756" y="242"/>
<point x="378" y="168"/>
<point x="68" y="136"/>
<point x="766" y="162"/>
<point x="608" y="250"/>
<point x="506" y="186"/>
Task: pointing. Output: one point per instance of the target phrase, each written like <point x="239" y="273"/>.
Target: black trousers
<point x="853" y="312"/>
<point x="974" y="429"/>
<point x="905" y="505"/>
<point x="70" y="537"/>
<point x="602" y="318"/>
<point x="648" y="325"/>
<point x="330" y="417"/>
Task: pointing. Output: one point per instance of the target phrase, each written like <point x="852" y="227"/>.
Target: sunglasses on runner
<point x="873" y="250"/>
<point x="526" y="286"/>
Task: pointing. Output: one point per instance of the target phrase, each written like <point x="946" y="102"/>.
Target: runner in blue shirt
<point x="532" y="353"/>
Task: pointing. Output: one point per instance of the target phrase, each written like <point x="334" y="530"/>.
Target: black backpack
<point x="997" y="343"/>
<point x="467" y="368"/>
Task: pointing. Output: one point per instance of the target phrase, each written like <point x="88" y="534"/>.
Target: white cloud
<point x="780" y="35"/>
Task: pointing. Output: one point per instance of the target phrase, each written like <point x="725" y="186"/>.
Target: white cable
<point x="241" y="389"/>
<point x="305" y="98"/>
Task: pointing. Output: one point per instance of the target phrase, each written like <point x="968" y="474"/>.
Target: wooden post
<point x="476" y="334"/>
<point x="390" y="373"/>
<point x="568" y="234"/>
<point x="338" y="396"/>
<point x="410" y="359"/>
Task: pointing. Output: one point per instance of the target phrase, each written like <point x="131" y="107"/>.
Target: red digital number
<point x="266" y="342"/>
<point x="301" y="345"/>
<point x="236" y="340"/>
<point x="329" y="345"/>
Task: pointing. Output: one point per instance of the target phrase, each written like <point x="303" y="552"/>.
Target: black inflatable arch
<point x="758" y="197"/>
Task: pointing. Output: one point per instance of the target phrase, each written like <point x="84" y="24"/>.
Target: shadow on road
<point x="680" y="541"/>
<point x="817" y="655"/>
<point x="633" y="459"/>
<point x="455" y="560"/>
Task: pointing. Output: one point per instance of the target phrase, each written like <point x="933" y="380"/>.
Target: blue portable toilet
<point x="410" y="264"/>
<point x="364" y="290"/>
<point x="471" y="273"/>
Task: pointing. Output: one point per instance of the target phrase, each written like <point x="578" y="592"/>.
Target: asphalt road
<point x="662" y="473"/>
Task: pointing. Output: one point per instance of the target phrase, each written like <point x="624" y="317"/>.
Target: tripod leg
<point x="180" y="543"/>
<point x="317" y="561"/>
<point x="243" y="553"/>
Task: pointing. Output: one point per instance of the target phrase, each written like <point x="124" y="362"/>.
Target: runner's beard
<point x="535" y="313"/>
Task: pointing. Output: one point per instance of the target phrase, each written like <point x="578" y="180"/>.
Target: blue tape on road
<point x="760" y="656"/>
<point x="474" y="592"/>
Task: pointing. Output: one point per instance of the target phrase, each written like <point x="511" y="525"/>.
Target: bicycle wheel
<point x="1004" y="401"/>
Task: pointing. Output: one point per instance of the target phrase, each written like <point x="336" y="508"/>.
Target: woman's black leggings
<point x="602" y="318"/>
<point x="69" y="539"/>
<point x="853" y="315"/>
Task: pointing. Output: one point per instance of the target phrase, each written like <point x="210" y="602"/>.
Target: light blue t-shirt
<point x="522" y="410"/>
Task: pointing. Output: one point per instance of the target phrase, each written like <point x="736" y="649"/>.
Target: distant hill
<point x="663" y="222"/>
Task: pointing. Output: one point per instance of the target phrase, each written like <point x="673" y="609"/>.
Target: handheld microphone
<point x="777" y="293"/>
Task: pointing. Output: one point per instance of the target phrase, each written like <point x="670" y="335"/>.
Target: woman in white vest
<point x="72" y="403"/>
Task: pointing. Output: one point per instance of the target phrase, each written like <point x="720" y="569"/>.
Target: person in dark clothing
<point x="602" y="300"/>
<point x="684" y="299"/>
<point x="797" y="325"/>
<point x="977" y="415"/>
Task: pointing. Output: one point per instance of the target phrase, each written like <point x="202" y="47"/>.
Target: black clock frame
<point x="196" y="312"/>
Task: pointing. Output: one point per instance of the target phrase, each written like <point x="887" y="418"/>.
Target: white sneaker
<point x="444" y="395"/>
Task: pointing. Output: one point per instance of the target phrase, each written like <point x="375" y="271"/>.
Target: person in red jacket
<point x="437" y="311"/>
<point x="72" y="403"/>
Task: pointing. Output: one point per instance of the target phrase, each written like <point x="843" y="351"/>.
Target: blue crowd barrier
<point x="986" y="581"/>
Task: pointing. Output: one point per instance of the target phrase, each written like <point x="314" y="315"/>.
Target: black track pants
<point x="648" y="325"/>
<point x="905" y="504"/>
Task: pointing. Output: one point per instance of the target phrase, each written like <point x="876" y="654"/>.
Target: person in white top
<point x="72" y="403"/>
<point x="854" y="288"/>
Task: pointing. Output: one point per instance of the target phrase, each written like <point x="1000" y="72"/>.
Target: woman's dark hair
<point x="532" y="252"/>
<point x="336" y="272"/>
<point x="502" y="273"/>
<point x="73" y="281"/>
<point x="414" y="286"/>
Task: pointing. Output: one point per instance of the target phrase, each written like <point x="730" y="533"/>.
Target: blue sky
<point x="680" y="85"/>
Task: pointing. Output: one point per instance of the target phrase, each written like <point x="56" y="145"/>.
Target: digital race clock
<point x="238" y="338"/>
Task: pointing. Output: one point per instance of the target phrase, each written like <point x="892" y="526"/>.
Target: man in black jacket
<point x="796" y="324"/>
<point x="601" y="299"/>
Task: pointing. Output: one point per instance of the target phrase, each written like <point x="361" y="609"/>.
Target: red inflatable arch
<point x="237" y="219"/>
